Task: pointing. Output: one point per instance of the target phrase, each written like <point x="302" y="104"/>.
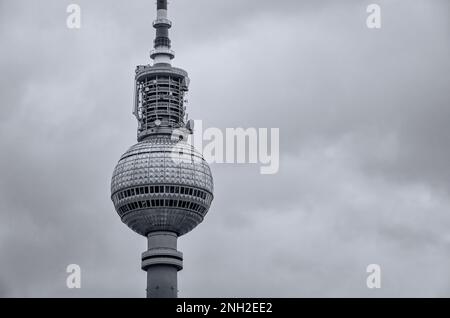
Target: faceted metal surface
<point x="162" y="185"/>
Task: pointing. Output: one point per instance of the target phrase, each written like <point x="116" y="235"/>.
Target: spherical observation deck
<point x="161" y="184"/>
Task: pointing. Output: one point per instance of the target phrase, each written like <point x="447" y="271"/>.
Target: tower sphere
<point x="162" y="184"/>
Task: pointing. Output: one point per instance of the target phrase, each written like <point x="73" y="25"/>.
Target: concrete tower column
<point x="162" y="262"/>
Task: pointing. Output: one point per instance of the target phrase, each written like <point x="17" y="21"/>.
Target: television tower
<point x="162" y="187"/>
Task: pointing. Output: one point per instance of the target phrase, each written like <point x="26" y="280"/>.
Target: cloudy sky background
<point x="364" y="118"/>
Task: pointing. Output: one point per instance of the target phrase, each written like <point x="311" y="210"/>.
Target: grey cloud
<point x="364" y="139"/>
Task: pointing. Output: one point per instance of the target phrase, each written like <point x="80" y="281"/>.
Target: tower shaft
<point x="162" y="262"/>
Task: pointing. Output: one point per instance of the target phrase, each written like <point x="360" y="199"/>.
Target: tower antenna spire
<point x="162" y="53"/>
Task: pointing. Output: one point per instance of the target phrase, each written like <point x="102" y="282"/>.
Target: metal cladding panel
<point x="161" y="5"/>
<point x="162" y="32"/>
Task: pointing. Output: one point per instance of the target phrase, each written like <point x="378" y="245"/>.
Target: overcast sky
<point x="364" y="118"/>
